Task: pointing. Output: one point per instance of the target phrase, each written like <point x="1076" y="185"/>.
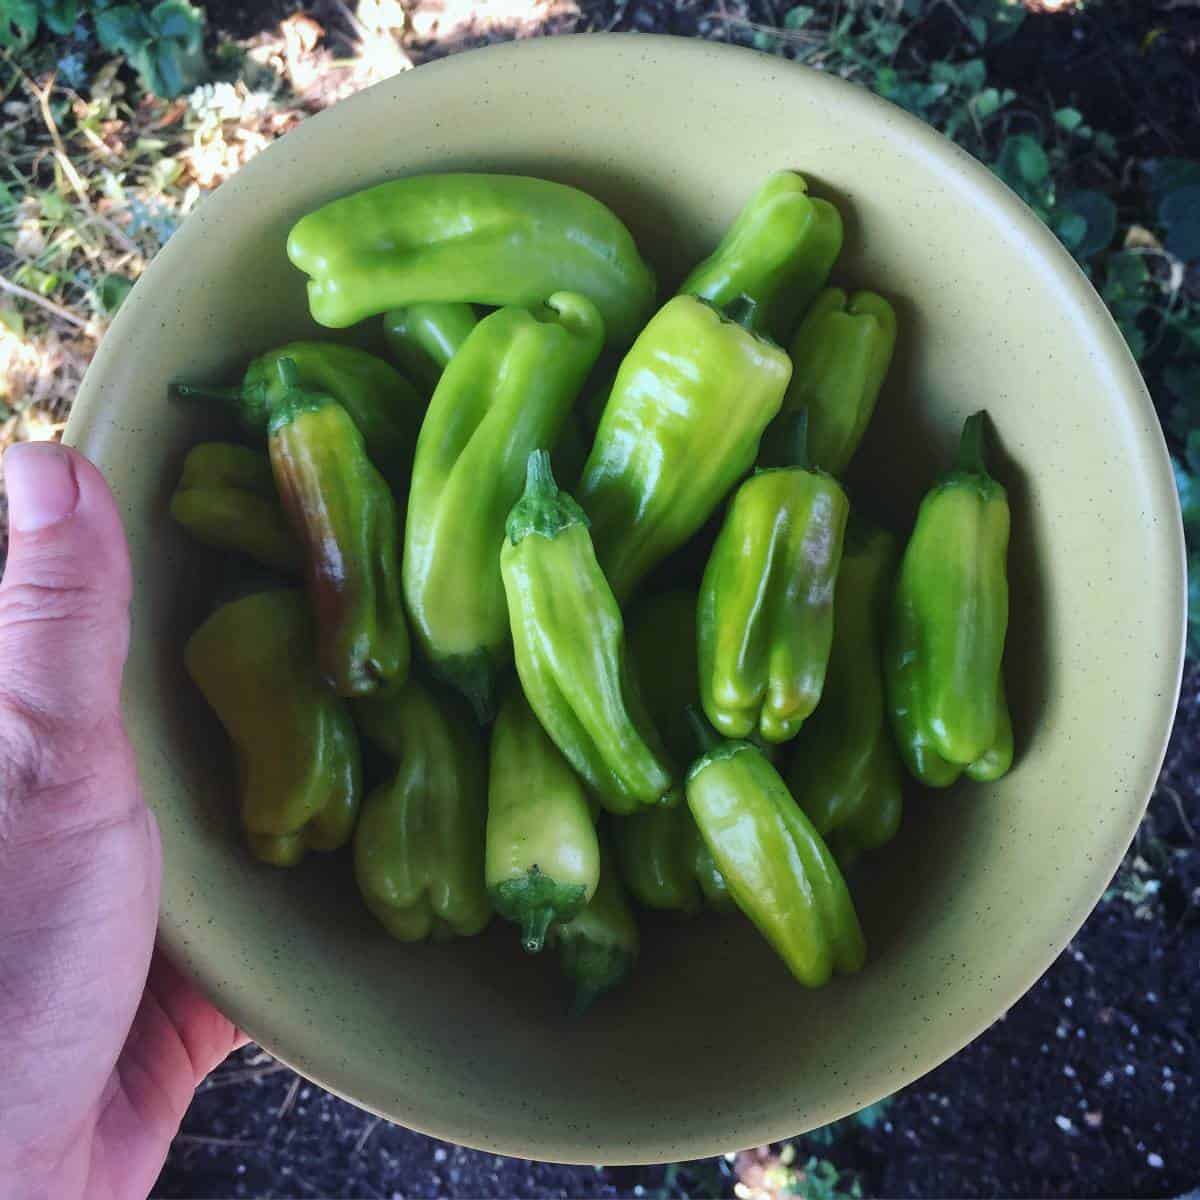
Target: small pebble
<point x="1154" y="1160"/>
<point x="1064" y="1123"/>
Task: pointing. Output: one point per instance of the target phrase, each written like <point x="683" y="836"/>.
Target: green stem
<point x="535" y="927"/>
<point x="543" y="508"/>
<point x="289" y="374"/>
<point x="787" y="443"/>
<point x="971" y="447"/>
<point x="704" y="734"/>
<point x="539" y="477"/>
<point x="187" y="391"/>
<point x="742" y="311"/>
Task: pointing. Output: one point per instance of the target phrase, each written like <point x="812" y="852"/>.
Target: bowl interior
<point x="710" y="1046"/>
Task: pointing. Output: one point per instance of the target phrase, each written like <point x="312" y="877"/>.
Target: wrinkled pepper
<point x="778" y="252"/>
<point x="949" y="619"/>
<point x="380" y="401"/>
<point x="226" y="498"/>
<point x="599" y="947"/>
<point x="480" y="239"/>
<point x="666" y="864"/>
<point x="845" y="773"/>
<point x="506" y="393"/>
<point x="682" y="424"/>
<point x="840" y="356"/>
<point x="765" y="618"/>
<point x="543" y="858"/>
<point x="569" y="643"/>
<point x="418" y="850"/>
<point x="423" y="338"/>
<point x="299" y="777"/>
<point x="340" y="507"/>
<point x="779" y="871"/>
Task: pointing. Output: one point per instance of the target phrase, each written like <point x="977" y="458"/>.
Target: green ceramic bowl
<point x="710" y="1046"/>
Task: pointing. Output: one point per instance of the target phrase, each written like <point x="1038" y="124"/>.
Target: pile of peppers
<point x="558" y="606"/>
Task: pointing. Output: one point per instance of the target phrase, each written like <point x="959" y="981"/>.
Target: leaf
<point x="1182" y="380"/>
<point x="111" y="292"/>
<point x="1023" y="165"/>
<point x="7" y="195"/>
<point x="1068" y="118"/>
<point x="799" y="16"/>
<point x="1099" y="216"/>
<point x="60" y="15"/>
<point x="122" y="30"/>
<point x="12" y="320"/>
<point x="18" y="23"/>
<point x="979" y="29"/>
<point x="1179" y="211"/>
<point x="1072" y="230"/>
<point x="1168" y="174"/>
<point x="179" y="21"/>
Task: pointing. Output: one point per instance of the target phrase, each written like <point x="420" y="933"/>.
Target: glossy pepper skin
<point x="765" y="619"/>
<point x="226" y="498"/>
<point x="543" y="857"/>
<point x="949" y="620"/>
<point x="299" y="778"/>
<point x="418" y="849"/>
<point x="342" y="510"/>
<point x="779" y="871"/>
<point x="666" y="864"/>
<point x="380" y="401"/>
<point x="778" y="252"/>
<point x="569" y="643"/>
<point x="483" y="239"/>
<point x="845" y="773"/>
<point x="423" y="338"/>
<point x="506" y="393"/>
<point x="840" y="357"/>
<point x="682" y="424"/>
<point x="599" y="947"/>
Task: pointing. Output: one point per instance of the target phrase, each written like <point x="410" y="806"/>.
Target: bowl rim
<point x="987" y="189"/>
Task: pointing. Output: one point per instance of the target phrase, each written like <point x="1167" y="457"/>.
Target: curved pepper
<point x="949" y="619"/>
<point x="341" y="508"/>
<point x="506" y="393"/>
<point x="569" y="643"/>
<point x="483" y="239"/>
<point x="845" y="773"/>
<point x="226" y="498"/>
<point x="778" y="252"/>
<point x="299" y="779"/>
<point x="840" y="356"/>
<point x="681" y="426"/>
<point x="765" y="618"/>
<point x="543" y="859"/>
<point x="599" y="947"/>
<point x="418" y="850"/>
<point x="779" y="871"/>
<point x="380" y="401"/>
<point x="423" y="338"/>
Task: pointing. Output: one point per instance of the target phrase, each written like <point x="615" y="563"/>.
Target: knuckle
<point x="26" y="602"/>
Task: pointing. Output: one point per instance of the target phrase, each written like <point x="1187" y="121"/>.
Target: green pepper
<point x="423" y="338"/>
<point x="949" y="619"/>
<point x="506" y="393"/>
<point x="681" y="426"/>
<point x="779" y="871"/>
<point x="299" y="778"/>
<point x="765" y="618"/>
<point x="341" y="508"/>
<point x="845" y="773"/>
<point x="418" y="850"/>
<point x="599" y="947"/>
<point x="380" y="401"/>
<point x="483" y="239"/>
<point x="543" y="859"/>
<point x="778" y="252"/>
<point x="840" y="356"/>
<point x="226" y="498"/>
<point x="569" y="642"/>
<point x="666" y="864"/>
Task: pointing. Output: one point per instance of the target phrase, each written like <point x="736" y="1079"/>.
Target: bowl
<point x="710" y="1046"/>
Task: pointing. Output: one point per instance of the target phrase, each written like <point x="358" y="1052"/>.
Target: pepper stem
<point x="702" y="732"/>
<point x="187" y="391"/>
<point x="787" y="444"/>
<point x="535" y="926"/>
<point x="539" y="475"/>
<point x="971" y="446"/>
<point x="742" y="310"/>
<point x="289" y="374"/>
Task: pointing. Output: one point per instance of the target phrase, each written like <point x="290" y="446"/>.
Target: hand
<point x="102" y="1041"/>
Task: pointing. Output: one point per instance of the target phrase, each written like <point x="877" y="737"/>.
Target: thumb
<point x="64" y="597"/>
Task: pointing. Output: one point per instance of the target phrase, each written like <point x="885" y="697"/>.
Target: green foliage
<point x="20" y="20"/>
<point x="165" y="46"/>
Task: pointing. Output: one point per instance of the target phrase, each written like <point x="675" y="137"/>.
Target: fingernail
<point x="41" y="485"/>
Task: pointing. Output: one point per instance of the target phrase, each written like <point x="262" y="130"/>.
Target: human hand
<point x="102" y="1041"/>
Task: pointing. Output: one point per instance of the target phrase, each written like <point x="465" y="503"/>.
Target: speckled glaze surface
<point x="711" y="1046"/>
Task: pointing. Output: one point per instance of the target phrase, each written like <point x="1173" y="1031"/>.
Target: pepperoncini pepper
<point x="423" y="338"/>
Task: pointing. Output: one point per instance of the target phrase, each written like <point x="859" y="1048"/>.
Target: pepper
<point x="845" y="773"/>
<point x="778" y="252"/>
<point x="507" y="392"/>
<point x="599" y="947"/>
<point x="298" y="771"/>
<point x="779" y="871"/>
<point x="681" y="425"/>
<point x="418" y="850"/>
<point x="666" y="864"/>
<point x="765" y="618"/>
<point x="949" y="619"/>
<point x="840" y="356"/>
<point x="341" y="508"/>
<point x="380" y="401"/>
<point x="482" y="239"/>
<point x="226" y="498"/>
<point x="569" y="643"/>
<point x="423" y="338"/>
<point x="543" y="859"/>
